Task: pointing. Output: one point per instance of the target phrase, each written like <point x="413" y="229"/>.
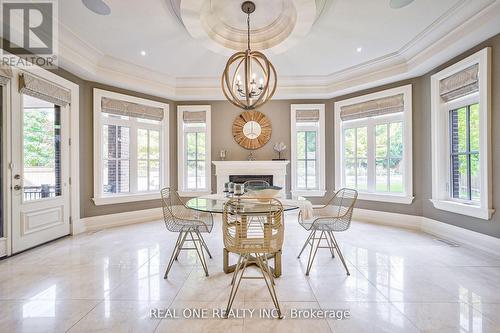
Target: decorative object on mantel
<point x="279" y="147"/>
<point x="251" y="157"/>
<point x="223" y="155"/>
<point x="252" y="129"/>
<point x="247" y="95"/>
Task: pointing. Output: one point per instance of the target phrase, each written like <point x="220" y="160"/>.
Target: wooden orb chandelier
<point x="249" y="79"/>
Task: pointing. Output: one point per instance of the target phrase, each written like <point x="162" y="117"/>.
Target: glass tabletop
<point x="245" y="206"/>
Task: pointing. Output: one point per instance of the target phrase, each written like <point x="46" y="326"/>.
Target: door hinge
<point x="69" y="180"/>
<point x="69" y="141"/>
<point x="70" y="220"/>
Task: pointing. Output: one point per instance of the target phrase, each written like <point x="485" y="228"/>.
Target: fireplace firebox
<point x="240" y="179"/>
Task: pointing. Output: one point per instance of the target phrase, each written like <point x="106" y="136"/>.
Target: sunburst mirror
<point x="252" y="129"/>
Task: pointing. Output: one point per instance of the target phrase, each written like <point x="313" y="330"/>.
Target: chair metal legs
<point x="305" y="244"/>
<point x="204" y="244"/>
<point x="175" y="252"/>
<point x="315" y="243"/>
<point x="267" y="276"/>
<point x="341" y="256"/>
<point x="199" y="246"/>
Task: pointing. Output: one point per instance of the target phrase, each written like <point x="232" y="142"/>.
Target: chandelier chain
<point x="248" y="30"/>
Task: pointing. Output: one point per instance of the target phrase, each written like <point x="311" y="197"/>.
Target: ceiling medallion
<point x="249" y="79"/>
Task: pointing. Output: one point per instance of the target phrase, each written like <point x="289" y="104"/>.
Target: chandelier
<point x="249" y="79"/>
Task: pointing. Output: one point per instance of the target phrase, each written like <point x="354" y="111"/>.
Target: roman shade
<point x="372" y="108"/>
<point x="460" y="84"/>
<point x="5" y="75"/>
<point x="44" y="90"/>
<point x="194" y="117"/>
<point x="307" y="116"/>
<point x="129" y="109"/>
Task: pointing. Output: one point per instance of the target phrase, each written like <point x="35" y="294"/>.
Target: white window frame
<point x="321" y="150"/>
<point x="101" y="198"/>
<point x="181" y="150"/>
<point x="441" y="198"/>
<point x="407" y="196"/>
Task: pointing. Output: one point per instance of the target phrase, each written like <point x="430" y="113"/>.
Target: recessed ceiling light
<point x="143" y="53"/>
<point x="359" y="49"/>
<point x="97" y="6"/>
<point x="396" y="4"/>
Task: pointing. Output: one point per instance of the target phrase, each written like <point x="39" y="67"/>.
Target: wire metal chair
<point x="335" y="216"/>
<point x="189" y="223"/>
<point x="254" y="242"/>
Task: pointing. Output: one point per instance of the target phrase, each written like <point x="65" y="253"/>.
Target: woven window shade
<point x="372" y="108"/>
<point x="44" y="90"/>
<point x="194" y="117"/>
<point x="128" y="109"/>
<point x="307" y="116"/>
<point x="5" y="75"/>
<point x="460" y="84"/>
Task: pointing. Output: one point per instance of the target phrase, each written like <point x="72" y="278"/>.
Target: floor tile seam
<point x="85" y="315"/>
<point x="175" y="297"/>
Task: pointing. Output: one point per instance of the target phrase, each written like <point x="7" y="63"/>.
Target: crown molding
<point x="451" y="34"/>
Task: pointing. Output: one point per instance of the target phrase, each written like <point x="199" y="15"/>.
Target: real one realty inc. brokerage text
<point x="206" y="313"/>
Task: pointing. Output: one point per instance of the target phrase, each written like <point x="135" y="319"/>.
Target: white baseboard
<point x="392" y="219"/>
<point x="100" y="222"/>
<point x="439" y="229"/>
<point x="460" y="235"/>
<point x="3" y="247"/>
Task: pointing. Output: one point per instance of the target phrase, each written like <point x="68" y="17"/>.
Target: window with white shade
<point x="194" y="157"/>
<point x="461" y="131"/>
<point x="130" y="148"/>
<point x="373" y="145"/>
<point x="308" y="149"/>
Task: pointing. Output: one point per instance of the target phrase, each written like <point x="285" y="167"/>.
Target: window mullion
<point x="356" y="157"/>
<point x="147" y="161"/>
<point x="133" y="157"/>
<point x="305" y="158"/>
<point x="317" y="160"/>
<point x="469" y="171"/>
<point x="196" y="160"/>
<point x="388" y="156"/>
<point x="371" y="157"/>
<point x="185" y="162"/>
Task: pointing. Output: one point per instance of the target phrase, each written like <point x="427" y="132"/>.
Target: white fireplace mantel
<point x="224" y="169"/>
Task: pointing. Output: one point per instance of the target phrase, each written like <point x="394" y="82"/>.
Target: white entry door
<point x="40" y="172"/>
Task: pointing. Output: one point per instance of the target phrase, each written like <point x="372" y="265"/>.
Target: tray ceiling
<point x="347" y="40"/>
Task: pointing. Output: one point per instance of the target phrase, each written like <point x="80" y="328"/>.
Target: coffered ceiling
<point x="337" y="46"/>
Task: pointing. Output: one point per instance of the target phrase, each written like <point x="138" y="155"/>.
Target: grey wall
<point x="491" y="227"/>
<point x="278" y="112"/>
<point x="223" y="114"/>
<point x="87" y="206"/>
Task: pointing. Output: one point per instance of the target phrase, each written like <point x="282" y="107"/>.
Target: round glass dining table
<point x="246" y="205"/>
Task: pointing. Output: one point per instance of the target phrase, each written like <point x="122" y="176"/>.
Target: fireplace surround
<point x="242" y="169"/>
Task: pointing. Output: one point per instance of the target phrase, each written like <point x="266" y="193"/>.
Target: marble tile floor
<point x="108" y="281"/>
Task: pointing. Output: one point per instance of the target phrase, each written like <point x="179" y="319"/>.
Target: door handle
<point x="17" y="187"/>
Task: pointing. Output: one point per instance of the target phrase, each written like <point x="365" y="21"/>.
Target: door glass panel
<point x="41" y="149"/>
